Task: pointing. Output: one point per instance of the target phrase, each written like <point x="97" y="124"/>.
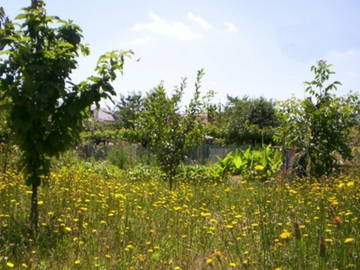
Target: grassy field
<point x="92" y="221"/>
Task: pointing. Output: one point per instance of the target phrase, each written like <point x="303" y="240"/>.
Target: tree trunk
<point x="171" y="183"/>
<point x="34" y="211"/>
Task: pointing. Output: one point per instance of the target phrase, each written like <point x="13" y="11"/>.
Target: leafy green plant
<point x="122" y="157"/>
<point x="128" y="108"/>
<point x="45" y="108"/>
<point x="142" y="172"/>
<point x="166" y="132"/>
<point x="259" y="164"/>
<point x="249" y="121"/>
<point x="320" y="125"/>
<point x="197" y="174"/>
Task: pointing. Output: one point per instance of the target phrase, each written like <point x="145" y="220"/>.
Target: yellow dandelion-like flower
<point x="259" y="168"/>
<point x="328" y="240"/>
<point x="205" y="214"/>
<point x="341" y="185"/>
<point x="232" y="264"/>
<point x="350" y="184"/>
<point x="77" y="262"/>
<point x="10" y="265"/>
<point x="348" y="240"/>
<point x="285" y="234"/>
<point x="209" y="261"/>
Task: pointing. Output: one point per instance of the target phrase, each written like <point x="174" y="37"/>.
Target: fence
<point x="199" y="155"/>
<point x="208" y="153"/>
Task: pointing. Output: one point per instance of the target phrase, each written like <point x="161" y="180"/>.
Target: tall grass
<point x="92" y="221"/>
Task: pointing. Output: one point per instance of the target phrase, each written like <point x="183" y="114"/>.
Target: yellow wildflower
<point x="285" y="234"/>
<point x="348" y="240"/>
<point x="10" y="264"/>
<point x="209" y="261"/>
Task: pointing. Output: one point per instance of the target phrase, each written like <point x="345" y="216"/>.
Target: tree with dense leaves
<point x="128" y="108"/>
<point x="320" y="125"/>
<point x="45" y="108"/>
<point x="249" y="120"/>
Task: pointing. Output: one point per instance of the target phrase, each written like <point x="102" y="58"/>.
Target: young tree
<point x="167" y="133"/>
<point x="46" y="109"/>
<point x="319" y="126"/>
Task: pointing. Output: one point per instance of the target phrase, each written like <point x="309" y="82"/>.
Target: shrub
<point x="122" y="157"/>
<point x="254" y="164"/>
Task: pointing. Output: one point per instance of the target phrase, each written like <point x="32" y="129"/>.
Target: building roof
<point x="102" y="116"/>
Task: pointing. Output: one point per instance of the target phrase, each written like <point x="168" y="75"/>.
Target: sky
<point x="254" y="48"/>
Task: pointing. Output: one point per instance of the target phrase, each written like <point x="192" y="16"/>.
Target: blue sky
<point x="253" y="48"/>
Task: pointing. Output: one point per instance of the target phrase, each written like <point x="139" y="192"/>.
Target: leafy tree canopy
<point x="319" y="126"/>
<point x="45" y="108"/>
<point x="128" y="108"/>
<point x="249" y="120"/>
<point x="165" y="131"/>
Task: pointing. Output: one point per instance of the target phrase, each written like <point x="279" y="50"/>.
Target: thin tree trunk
<point x="171" y="183"/>
<point x="34" y="212"/>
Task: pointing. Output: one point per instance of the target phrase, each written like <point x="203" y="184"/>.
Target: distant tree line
<point x="241" y="121"/>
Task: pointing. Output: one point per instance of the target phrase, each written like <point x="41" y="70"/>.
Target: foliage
<point x="254" y="164"/>
<point x="249" y="121"/>
<point x="164" y="131"/>
<point x="122" y="156"/>
<point x="8" y="151"/>
<point x="320" y="125"/>
<point x="198" y="174"/>
<point x="46" y="109"/>
<point x="128" y="108"/>
<point x="103" y="134"/>
<point x="142" y="172"/>
<point x="95" y="221"/>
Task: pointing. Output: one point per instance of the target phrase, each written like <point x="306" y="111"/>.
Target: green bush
<point x="122" y="157"/>
<point x="198" y="174"/>
<point x="143" y="172"/>
<point x="253" y="164"/>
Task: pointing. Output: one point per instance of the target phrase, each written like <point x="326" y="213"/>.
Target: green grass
<point x="91" y="221"/>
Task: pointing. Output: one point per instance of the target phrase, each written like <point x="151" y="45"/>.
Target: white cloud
<point x="160" y="26"/>
<point x="230" y="27"/>
<point x="200" y="21"/>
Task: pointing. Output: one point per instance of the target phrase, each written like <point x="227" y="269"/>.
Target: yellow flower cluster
<point x="89" y="220"/>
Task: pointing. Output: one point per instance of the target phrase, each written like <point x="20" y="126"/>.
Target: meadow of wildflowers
<point x="89" y="220"/>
